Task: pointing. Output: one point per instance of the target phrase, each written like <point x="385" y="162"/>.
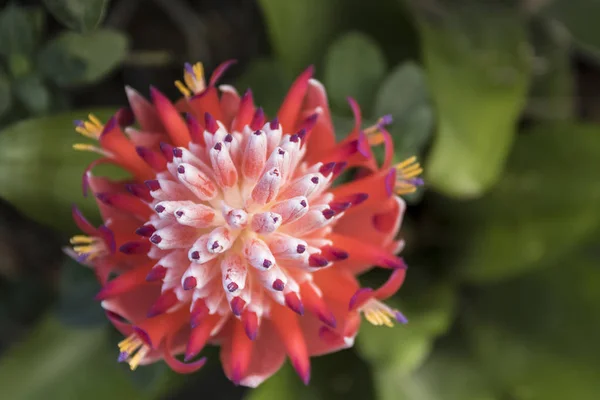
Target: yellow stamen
<point x="183" y="89"/>
<point x="406" y="162"/>
<point x="193" y="80"/>
<point x="378" y="313"/>
<point x="78" y="239"/>
<point x="92" y="128"/>
<point x="91" y="148"/>
<point x="130" y="345"/>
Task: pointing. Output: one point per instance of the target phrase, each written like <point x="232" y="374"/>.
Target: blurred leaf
<point x="580" y="18"/>
<point x="33" y="94"/>
<point x="354" y="67"/>
<point x="546" y="204"/>
<point x="447" y="375"/>
<point x="17" y="34"/>
<point x="404" y="95"/>
<point x="72" y="59"/>
<point x="59" y="363"/>
<point x="430" y="311"/>
<point x="553" y="88"/>
<point x="82" y="15"/>
<point x="332" y="377"/>
<point x="268" y="82"/>
<point x="539" y="334"/>
<point x="76" y="305"/>
<point x="301" y="30"/>
<point x="5" y="95"/>
<point x="477" y="63"/>
<point x="40" y="173"/>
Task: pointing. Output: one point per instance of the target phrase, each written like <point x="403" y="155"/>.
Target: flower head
<point x="231" y="231"/>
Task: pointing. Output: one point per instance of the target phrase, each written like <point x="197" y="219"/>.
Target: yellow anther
<point x="92" y="128"/>
<point x="130" y="345"/>
<point x="377" y="313"/>
<point x="78" y="239"/>
<point x="92" y="148"/>
<point x="193" y="80"/>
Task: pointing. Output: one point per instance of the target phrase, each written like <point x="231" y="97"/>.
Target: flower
<point x="230" y="230"/>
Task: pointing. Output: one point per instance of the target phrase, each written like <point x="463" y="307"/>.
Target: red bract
<point x="231" y="232"/>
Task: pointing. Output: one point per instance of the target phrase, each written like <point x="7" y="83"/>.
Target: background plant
<point x="497" y="97"/>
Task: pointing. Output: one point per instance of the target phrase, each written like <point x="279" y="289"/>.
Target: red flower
<point x="231" y="232"/>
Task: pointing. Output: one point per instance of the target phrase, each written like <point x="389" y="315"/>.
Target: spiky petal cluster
<point x="230" y="232"/>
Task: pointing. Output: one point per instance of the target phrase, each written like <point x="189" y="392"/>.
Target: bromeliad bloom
<point x="231" y="231"/>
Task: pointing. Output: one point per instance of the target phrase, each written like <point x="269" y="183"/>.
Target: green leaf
<point x="268" y="82"/>
<point x="60" y="363"/>
<point x="550" y="187"/>
<point x="74" y="59"/>
<point x="404" y="95"/>
<point x="477" y="62"/>
<point x="538" y="334"/>
<point x="33" y="94"/>
<point x="340" y="375"/>
<point x="76" y="305"/>
<point x="430" y="310"/>
<point x="82" y="15"/>
<point x="579" y="17"/>
<point x="40" y="173"/>
<point x="553" y="87"/>
<point x="354" y="67"/>
<point x="5" y="95"/>
<point x="447" y="375"/>
<point x="17" y="35"/>
<point x="301" y="30"/>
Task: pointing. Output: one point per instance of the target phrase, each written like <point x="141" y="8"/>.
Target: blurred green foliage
<point x="503" y="290"/>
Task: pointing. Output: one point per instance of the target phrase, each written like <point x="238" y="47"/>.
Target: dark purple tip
<point x="209" y="123"/>
<point x="110" y="126"/>
<point x="189" y="283"/>
<point x="228" y="138"/>
<point x="359" y="198"/>
<point x="79" y="123"/>
<point x="146" y="230"/>
<point x="167" y="151"/>
<point x="278" y="285"/>
<point x="295" y="138"/>
<point x="125" y="116"/>
<point x="188" y="68"/>
<point x="215" y="245"/>
<point x="394" y="263"/>
<point x="139" y="190"/>
<point x="159" y="208"/>
<point x="218" y="146"/>
<point x="317" y="260"/>
<point x="123" y="356"/>
<point x="328" y="213"/>
<point x="105" y="198"/>
<point x="400" y="317"/>
<point x="177" y="152"/>
<point x="266" y="264"/>
<point x="417" y="181"/>
<point x="156" y="239"/>
<point x="274" y="124"/>
<point x="258" y="132"/>
<point x="258" y="119"/>
<point x="195" y="255"/>
<point x="179" y="213"/>
<point x="135" y="248"/>
<point x="390" y="182"/>
<point x="301" y="134"/>
<point x="303" y="203"/>
<point x="232" y="287"/>
<point x="153" y="184"/>
<point x="281" y="152"/>
<point x="339" y="207"/>
<point x="315" y="180"/>
<point x="181" y="169"/>
<point x="157" y="273"/>
<point x="326" y="169"/>
<point x="300" y="248"/>
<point x="339" y="167"/>
<point x="237" y="306"/>
<point x="339" y="254"/>
<point x="386" y="120"/>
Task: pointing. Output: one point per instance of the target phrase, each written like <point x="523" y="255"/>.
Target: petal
<point x="290" y="108"/>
